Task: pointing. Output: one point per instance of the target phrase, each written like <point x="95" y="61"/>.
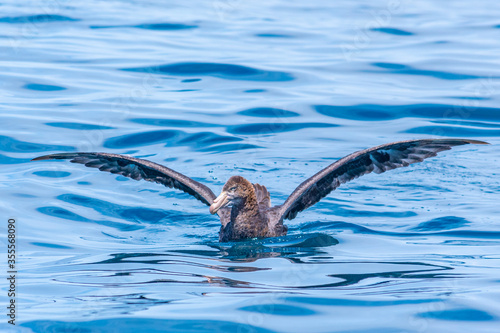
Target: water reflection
<point x="288" y="263"/>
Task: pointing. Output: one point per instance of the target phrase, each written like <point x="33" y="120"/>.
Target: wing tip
<point x="477" y="142"/>
<point x="60" y="156"/>
<point x="456" y="141"/>
<point x="41" y="158"/>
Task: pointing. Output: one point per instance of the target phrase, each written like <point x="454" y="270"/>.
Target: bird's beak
<point x="219" y="202"/>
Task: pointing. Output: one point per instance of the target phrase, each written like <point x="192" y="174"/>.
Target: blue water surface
<point x="273" y="91"/>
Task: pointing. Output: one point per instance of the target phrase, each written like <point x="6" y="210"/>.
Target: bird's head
<point x="235" y="192"/>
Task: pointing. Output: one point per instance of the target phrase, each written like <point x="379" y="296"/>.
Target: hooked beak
<point x="219" y="202"/>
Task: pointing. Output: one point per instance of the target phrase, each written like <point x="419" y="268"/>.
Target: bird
<point x="245" y="209"/>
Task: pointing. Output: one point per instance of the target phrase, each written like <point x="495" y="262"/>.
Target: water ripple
<point x="150" y="26"/>
<point x="12" y="160"/>
<point x="277" y="127"/>
<point x="336" y="225"/>
<point x="356" y="302"/>
<point x="172" y="122"/>
<point x="65" y="214"/>
<point x="372" y="112"/>
<point x="204" y="139"/>
<point x="43" y="87"/>
<point x="278" y="310"/>
<point x="201" y="141"/>
<point x="395" y="68"/>
<point x="78" y="126"/>
<point x="141" y="139"/>
<point x="450" y="131"/>
<point x="458" y="314"/>
<point x="273" y="35"/>
<point x="36" y="19"/>
<point x="131" y="214"/>
<point x="9" y="144"/>
<point x="393" y="31"/>
<point x="230" y="147"/>
<point x="442" y="223"/>
<point x="224" y="71"/>
<point x="143" y="325"/>
<point x="268" y="113"/>
<point x="52" y="174"/>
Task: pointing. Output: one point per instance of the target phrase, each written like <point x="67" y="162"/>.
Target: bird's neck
<point x="246" y="209"/>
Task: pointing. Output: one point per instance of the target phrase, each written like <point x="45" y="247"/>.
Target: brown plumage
<point x="251" y="213"/>
<point x="244" y="208"/>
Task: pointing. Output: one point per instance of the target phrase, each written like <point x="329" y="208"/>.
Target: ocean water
<point x="273" y="91"/>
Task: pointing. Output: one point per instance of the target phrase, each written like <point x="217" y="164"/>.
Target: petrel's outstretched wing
<point x="138" y="169"/>
<point x="377" y="159"/>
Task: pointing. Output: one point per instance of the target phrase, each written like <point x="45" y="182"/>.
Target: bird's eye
<point x="232" y="188"/>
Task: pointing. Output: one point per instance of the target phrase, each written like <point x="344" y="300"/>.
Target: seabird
<point x="244" y="208"/>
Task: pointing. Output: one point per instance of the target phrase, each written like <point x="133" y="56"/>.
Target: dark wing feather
<point x="377" y="159"/>
<point x="138" y="169"/>
<point x="263" y="196"/>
